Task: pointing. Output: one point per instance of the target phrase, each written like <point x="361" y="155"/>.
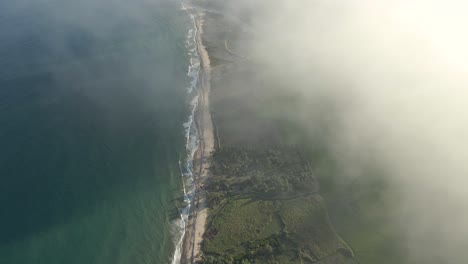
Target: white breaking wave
<point x="192" y="142"/>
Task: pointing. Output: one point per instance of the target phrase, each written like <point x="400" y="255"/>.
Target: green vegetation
<point x="261" y="211"/>
<point x="241" y="220"/>
<point x="306" y="221"/>
<point x="263" y="173"/>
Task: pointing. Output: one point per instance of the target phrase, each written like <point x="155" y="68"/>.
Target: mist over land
<point x="381" y="83"/>
<point x="378" y="89"/>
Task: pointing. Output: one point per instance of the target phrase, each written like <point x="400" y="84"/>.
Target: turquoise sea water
<point x="92" y="102"/>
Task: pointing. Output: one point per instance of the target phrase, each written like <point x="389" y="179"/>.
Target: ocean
<point x="95" y="110"/>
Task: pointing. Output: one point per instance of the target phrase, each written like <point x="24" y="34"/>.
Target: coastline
<point x="277" y="218"/>
<point x="196" y="223"/>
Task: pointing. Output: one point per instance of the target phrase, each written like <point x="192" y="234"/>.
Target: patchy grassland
<point x="265" y="209"/>
<point x="241" y="220"/>
<point x="274" y="231"/>
<point x="307" y="224"/>
<point x="265" y="231"/>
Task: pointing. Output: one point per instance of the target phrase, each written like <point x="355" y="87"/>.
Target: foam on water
<point x="192" y="142"/>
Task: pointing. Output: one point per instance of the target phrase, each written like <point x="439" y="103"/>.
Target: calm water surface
<point x="92" y="101"/>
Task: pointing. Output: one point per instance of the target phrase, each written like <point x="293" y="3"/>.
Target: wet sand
<point x="198" y="215"/>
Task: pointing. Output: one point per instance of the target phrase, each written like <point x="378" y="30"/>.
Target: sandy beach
<point x="198" y="215"/>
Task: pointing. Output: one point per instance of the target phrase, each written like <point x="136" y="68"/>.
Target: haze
<point x="393" y="78"/>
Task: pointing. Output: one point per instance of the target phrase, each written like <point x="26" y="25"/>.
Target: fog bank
<point x="394" y="76"/>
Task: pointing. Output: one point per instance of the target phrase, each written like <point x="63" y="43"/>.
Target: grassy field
<point x="241" y="220"/>
<point x="273" y="231"/>
<point x="306" y="222"/>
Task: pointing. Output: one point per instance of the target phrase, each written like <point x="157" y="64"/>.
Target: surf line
<point x="191" y="137"/>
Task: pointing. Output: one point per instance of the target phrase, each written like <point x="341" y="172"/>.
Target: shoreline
<point x="196" y="224"/>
